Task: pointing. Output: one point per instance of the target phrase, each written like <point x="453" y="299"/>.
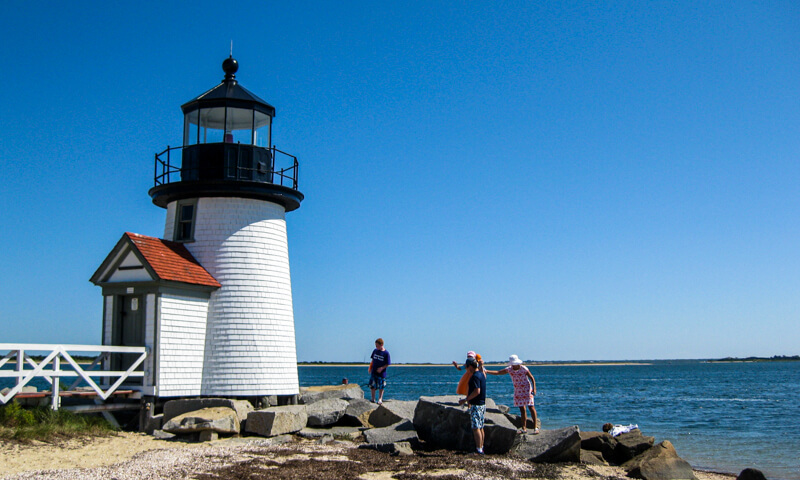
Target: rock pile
<point x="340" y="412"/>
<point x="636" y="454"/>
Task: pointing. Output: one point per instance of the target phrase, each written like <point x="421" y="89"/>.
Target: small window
<point x="184" y="222"/>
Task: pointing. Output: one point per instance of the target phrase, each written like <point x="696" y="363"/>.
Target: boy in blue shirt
<point x="476" y="398"/>
<point x="377" y="370"/>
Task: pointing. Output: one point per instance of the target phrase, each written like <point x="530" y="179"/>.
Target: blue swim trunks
<point x="377" y="382"/>
<point x="477" y="413"/>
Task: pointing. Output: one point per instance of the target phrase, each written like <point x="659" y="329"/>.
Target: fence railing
<point x="51" y="370"/>
<point x="282" y="171"/>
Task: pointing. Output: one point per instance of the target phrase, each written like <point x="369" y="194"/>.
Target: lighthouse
<point x="212" y="299"/>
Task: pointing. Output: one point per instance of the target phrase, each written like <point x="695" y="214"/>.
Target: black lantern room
<point x="227" y="150"/>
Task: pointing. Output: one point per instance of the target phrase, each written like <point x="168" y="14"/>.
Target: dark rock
<point x="358" y="412"/>
<point x="600" y="442"/>
<point x="399" y="432"/>
<point x="659" y="463"/>
<point x="326" y="412"/>
<point x="592" y="457"/>
<point x="594" y="440"/>
<point x="273" y="421"/>
<point x="516" y="420"/>
<point x="218" y="419"/>
<point x="151" y="424"/>
<point x="391" y="412"/>
<point x="630" y="445"/>
<point x="751" y="474"/>
<point x="441" y="422"/>
<point x="208" y="436"/>
<point x="396" y="448"/>
<point x="338" y="432"/>
<point x="309" y="395"/>
<point x="266" y="401"/>
<point x="550" y="446"/>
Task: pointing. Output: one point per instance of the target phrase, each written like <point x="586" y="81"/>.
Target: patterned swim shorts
<point x="377" y="382"/>
<point x="477" y="413"/>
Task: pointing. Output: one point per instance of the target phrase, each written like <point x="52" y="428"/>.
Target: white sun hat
<point x="514" y="360"/>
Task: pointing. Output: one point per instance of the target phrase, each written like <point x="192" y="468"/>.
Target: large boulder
<point x="592" y="458"/>
<point x="399" y="432"/>
<point x="173" y="408"/>
<point x="631" y="444"/>
<point x="273" y="421"/>
<point x="751" y="474"/>
<point x="391" y="412"/>
<point x="550" y="446"/>
<point x="443" y="423"/>
<point x="218" y="419"/>
<point x="660" y="462"/>
<point x="600" y="442"/>
<point x="309" y="395"/>
<point x="358" y="412"/>
<point x="326" y="412"/>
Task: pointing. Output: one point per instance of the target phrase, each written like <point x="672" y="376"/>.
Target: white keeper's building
<point x="212" y="300"/>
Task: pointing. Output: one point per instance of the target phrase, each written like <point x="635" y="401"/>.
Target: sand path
<point x="90" y="453"/>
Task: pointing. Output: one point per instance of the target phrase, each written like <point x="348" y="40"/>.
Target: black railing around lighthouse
<point x="275" y="166"/>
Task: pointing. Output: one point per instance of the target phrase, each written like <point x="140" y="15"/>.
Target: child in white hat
<point x="524" y="389"/>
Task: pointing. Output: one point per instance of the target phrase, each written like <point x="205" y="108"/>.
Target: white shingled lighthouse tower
<point x="229" y="209"/>
<point x="213" y="299"/>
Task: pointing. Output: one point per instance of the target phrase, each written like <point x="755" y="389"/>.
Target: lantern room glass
<point x="227" y="125"/>
<point x="262" y="134"/>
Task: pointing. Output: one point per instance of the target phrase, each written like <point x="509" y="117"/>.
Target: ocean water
<point x="719" y="416"/>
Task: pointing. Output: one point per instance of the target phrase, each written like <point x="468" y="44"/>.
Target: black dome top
<point x="229" y="94"/>
<point x="230" y="66"/>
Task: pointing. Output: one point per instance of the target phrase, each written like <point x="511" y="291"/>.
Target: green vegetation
<point x="43" y="424"/>
<point x="774" y="358"/>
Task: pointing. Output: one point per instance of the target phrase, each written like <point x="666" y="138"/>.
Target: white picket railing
<point x="53" y="357"/>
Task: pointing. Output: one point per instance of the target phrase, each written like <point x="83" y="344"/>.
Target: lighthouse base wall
<point x="250" y="339"/>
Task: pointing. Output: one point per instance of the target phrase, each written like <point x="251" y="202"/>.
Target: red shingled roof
<point x="171" y="260"/>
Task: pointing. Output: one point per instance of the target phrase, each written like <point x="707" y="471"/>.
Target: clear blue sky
<point x="553" y="179"/>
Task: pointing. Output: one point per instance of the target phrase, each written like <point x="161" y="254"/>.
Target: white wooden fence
<point x="50" y="367"/>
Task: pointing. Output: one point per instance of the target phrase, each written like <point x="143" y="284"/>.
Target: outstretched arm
<point x="455" y="364"/>
<point x="497" y="372"/>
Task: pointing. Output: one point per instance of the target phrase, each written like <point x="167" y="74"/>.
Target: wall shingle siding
<point x="250" y="341"/>
<point x="182" y="338"/>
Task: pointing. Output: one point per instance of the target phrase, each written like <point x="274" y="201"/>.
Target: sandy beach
<point x="139" y="456"/>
